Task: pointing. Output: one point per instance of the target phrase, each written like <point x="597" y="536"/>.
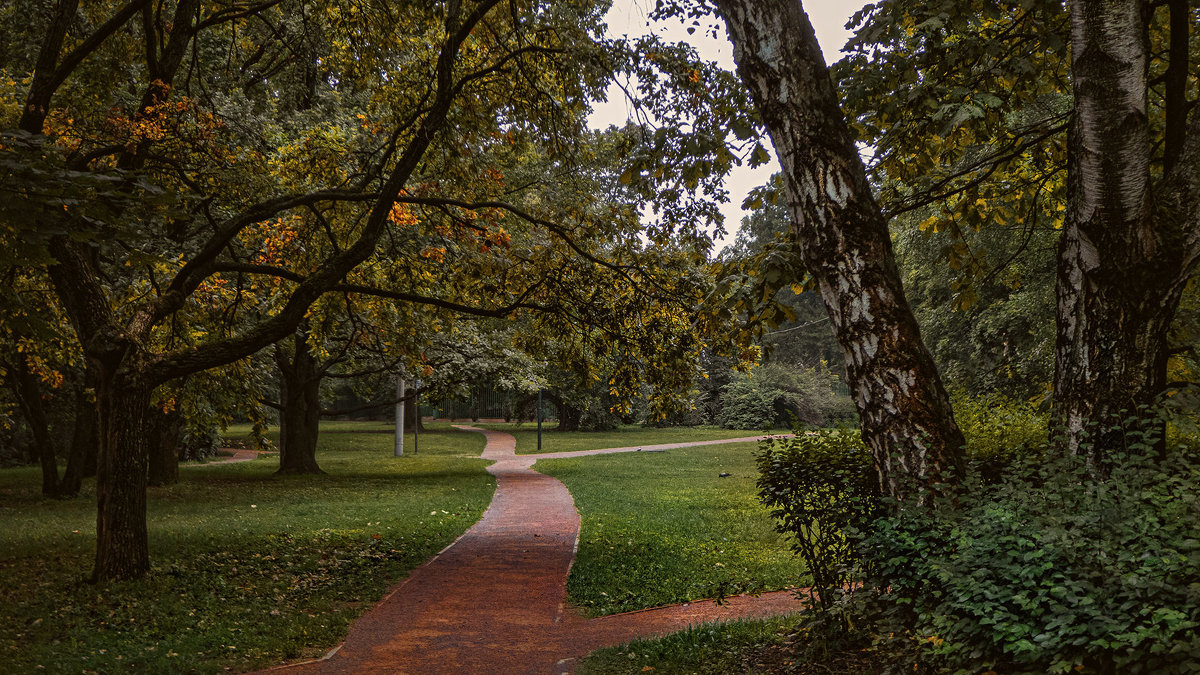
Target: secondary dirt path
<point x="494" y="601"/>
<point x="644" y="448"/>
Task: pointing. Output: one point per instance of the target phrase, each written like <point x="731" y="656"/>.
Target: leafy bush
<point x="820" y="485"/>
<point x="1050" y="569"/>
<point x="998" y="429"/>
<point x="747" y="404"/>
<point x="596" y="416"/>
<point x="199" y="442"/>
<point x="777" y="394"/>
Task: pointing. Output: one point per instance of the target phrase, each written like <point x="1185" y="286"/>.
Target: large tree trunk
<point x="569" y="417"/>
<point x="412" y="418"/>
<point x="121" y="546"/>
<point x="122" y="399"/>
<point x="165" y="433"/>
<point x="300" y="407"/>
<point x="1122" y="264"/>
<point x="29" y="398"/>
<point x="844" y="243"/>
<point x="81" y="458"/>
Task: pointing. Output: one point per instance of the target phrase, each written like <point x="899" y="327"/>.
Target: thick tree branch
<point x="334" y="270"/>
<point x="491" y="312"/>
<point x="235" y="13"/>
<point x="1177" y="81"/>
<point x="199" y="267"/>
<point x="76" y="56"/>
<point x="41" y="89"/>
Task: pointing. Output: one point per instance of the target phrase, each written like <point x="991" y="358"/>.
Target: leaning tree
<point x="1128" y="246"/>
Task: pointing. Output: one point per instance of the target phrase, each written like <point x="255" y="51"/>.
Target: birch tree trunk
<point x="1125" y="253"/>
<point x="844" y="242"/>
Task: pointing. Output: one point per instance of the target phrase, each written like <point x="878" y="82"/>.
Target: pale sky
<point x="628" y="17"/>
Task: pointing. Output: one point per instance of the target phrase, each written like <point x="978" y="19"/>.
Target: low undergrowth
<point x="1056" y="563"/>
<point x="249" y="569"/>
<point x="665" y="528"/>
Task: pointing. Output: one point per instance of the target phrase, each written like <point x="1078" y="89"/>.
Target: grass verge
<point x="628" y="435"/>
<point x="735" y="647"/>
<point x="664" y="528"/>
<point x="249" y="568"/>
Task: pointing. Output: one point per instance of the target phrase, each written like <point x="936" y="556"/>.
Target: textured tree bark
<point x="122" y="398"/>
<point x="903" y="408"/>
<point x="165" y="432"/>
<point x="300" y="408"/>
<point x="122" y="551"/>
<point x="1123" y="258"/>
<point x="81" y="458"/>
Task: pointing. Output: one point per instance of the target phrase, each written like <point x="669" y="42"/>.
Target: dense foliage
<point x="1045" y="569"/>
<point x="1049" y="570"/>
<point x="820" y="486"/>
<point x="780" y="395"/>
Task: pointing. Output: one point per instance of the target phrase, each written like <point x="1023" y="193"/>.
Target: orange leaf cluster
<point x="402" y="215"/>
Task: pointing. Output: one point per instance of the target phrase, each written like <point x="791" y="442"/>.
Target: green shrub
<point x="777" y="395"/>
<point x="1048" y="570"/>
<point x="998" y="429"/>
<point x="746" y="404"/>
<point x="819" y="486"/>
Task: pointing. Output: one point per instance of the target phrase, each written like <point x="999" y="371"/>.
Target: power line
<point x="803" y="325"/>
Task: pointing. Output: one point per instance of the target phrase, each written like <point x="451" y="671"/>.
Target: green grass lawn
<point x="663" y="528"/>
<point x="735" y="647"/>
<point x="624" y="436"/>
<point x="249" y="568"/>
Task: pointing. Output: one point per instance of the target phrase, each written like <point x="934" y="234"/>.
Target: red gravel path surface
<point x="494" y="601"/>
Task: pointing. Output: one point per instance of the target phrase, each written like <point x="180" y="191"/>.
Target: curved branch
<point x="334" y="269"/>
<point x="524" y="215"/>
<point x="199" y="266"/>
<point x="416" y="298"/>
<point x="991" y="162"/>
